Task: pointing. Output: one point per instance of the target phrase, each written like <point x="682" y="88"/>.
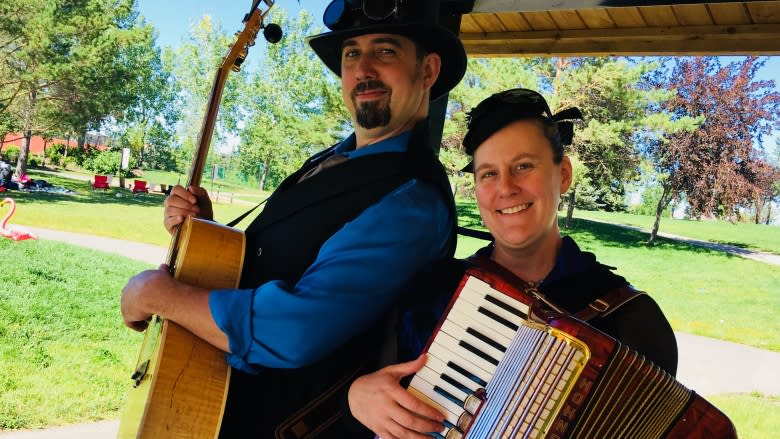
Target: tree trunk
<point x="659" y="210"/>
<point x="21" y="164"/>
<point x="263" y="175"/>
<point x="570" y="199"/>
<point x="769" y="212"/>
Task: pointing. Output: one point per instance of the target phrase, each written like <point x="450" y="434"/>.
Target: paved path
<point x="706" y="365"/>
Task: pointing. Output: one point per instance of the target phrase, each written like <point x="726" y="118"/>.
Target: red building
<point x="37" y="142"/>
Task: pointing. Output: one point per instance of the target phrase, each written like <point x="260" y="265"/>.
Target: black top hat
<point x="415" y="19"/>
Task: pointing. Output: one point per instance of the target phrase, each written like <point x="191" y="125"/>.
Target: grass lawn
<point x="114" y="213"/>
<point x="65" y="355"/>
<point x="750" y="236"/>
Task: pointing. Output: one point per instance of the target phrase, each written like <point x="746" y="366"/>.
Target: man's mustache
<point x="369" y="85"/>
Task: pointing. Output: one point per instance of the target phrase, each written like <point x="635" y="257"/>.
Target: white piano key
<point x="466" y="315"/>
<point x="434" y="378"/>
<point x="480" y="289"/>
<point x="447" y="342"/>
<point x="461" y="334"/>
<point x="445" y="355"/>
<point x="450" y="410"/>
<point x="441" y="367"/>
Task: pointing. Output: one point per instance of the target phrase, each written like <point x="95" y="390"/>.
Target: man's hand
<point x="135" y="301"/>
<point x="380" y="403"/>
<point x="181" y="203"/>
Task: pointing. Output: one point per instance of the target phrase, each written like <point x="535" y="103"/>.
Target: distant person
<point x="6" y="173"/>
<point x="327" y="257"/>
<point x="520" y="173"/>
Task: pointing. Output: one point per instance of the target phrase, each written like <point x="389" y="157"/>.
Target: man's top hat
<point x="415" y="19"/>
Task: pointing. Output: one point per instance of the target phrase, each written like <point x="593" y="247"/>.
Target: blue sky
<point x="173" y="18"/>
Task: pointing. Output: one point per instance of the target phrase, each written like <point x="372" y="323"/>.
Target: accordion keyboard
<point x="466" y="351"/>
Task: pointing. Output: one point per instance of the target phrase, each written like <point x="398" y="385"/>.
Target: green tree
<point x="292" y="106"/>
<point x="716" y="165"/>
<point x="70" y="63"/>
<point x="148" y="128"/>
<point x="194" y="65"/>
<point x="614" y="103"/>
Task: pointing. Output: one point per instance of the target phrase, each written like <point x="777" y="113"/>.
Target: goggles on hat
<point x="339" y="14"/>
<point x="531" y="100"/>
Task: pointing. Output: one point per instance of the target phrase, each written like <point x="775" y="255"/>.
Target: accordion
<point x="502" y="366"/>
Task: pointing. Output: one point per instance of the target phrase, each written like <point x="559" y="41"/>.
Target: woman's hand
<point x="181" y="203"/>
<point x="379" y="402"/>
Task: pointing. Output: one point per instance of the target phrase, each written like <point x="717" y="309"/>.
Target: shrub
<point x="106" y="163"/>
<point x="11" y="154"/>
<point x="55" y="154"/>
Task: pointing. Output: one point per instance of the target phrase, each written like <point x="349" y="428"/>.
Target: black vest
<point x="281" y="243"/>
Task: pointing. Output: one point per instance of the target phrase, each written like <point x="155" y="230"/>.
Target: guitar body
<point x="181" y="382"/>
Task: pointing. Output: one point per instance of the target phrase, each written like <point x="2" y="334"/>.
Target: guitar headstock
<point x="253" y="22"/>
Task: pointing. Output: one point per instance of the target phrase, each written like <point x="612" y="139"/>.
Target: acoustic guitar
<point x="180" y="382"/>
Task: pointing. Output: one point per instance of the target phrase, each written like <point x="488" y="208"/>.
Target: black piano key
<point x="475" y="350"/>
<point x="455" y="383"/>
<point x="448" y="395"/>
<point x="466" y="373"/>
<point x="498" y="318"/>
<point x="506" y="306"/>
<point x="486" y="339"/>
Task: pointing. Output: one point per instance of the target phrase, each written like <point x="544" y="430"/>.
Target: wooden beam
<point x="690" y="40"/>
<point x="548" y="5"/>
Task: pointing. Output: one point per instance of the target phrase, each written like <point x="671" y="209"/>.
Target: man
<point x="326" y="258"/>
<point x="520" y="173"/>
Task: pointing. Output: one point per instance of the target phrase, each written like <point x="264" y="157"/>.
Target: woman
<point x="520" y="172"/>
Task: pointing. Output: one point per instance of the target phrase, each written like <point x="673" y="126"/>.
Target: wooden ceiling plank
<point x="692" y="15"/>
<point x="539" y="21"/>
<point x="622" y="48"/>
<point x="596" y="19"/>
<point x="729" y="13"/>
<point x="749" y="39"/>
<point x="764" y="12"/>
<point x="658" y="16"/>
<point x="567" y="19"/>
<point x="513" y="21"/>
<point x="489" y="23"/>
<point x="469" y="25"/>
<point x="626" y="17"/>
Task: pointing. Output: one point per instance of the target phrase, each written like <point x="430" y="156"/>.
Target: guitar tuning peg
<point x="236" y="67"/>
<point x="272" y="33"/>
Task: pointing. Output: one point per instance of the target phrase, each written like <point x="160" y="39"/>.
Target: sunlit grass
<point x="755" y="416"/>
<point x="65" y="355"/>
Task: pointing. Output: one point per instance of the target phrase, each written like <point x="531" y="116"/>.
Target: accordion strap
<point x="608" y="303"/>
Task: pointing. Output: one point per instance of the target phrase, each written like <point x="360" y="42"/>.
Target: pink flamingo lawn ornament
<point x="15" y="233"/>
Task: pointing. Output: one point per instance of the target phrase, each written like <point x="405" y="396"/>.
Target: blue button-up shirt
<point x="356" y="276"/>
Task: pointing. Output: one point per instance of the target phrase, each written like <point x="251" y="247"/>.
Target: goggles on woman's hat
<point x="501" y="109"/>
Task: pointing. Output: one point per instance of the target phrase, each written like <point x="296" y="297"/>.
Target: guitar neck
<point x="232" y="61"/>
<point x="207" y="129"/>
